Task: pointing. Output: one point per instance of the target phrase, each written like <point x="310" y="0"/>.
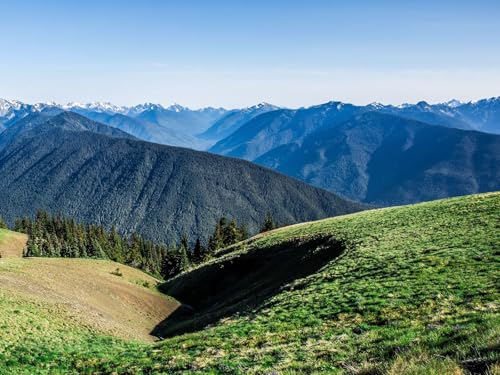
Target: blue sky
<point x="238" y="53"/>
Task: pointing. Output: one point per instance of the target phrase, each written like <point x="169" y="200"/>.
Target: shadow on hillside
<point x="241" y="284"/>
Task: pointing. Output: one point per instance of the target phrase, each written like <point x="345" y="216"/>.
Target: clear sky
<point x="238" y="53"/>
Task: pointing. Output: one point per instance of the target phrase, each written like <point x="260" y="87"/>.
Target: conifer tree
<point x="2" y="223"/>
<point x="268" y="224"/>
<point x="183" y="254"/>
<point x="216" y="240"/>
<point x="198" y="252"/>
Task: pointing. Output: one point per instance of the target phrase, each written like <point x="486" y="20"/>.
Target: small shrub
<point x="117" y="272"/>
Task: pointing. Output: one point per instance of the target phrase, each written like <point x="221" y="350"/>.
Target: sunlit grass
<point x="416" y="292"/>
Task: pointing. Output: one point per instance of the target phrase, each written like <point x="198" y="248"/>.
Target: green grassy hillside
<point x="404" y="290"/>
<point x="67" y="307"/>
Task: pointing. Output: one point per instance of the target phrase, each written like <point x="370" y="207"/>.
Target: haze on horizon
<point x="235" y="54"/>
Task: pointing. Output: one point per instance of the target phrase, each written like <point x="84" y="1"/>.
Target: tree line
<point x="59" y="236"/>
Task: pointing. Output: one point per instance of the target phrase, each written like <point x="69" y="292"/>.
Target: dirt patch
<point x="87" y="293"/>
<point x="12" y="244"/>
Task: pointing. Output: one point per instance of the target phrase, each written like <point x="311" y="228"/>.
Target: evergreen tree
<point x="32" y="248"/>
<point x="117" y="245"/>
<point x="170" y="265"/>
<point x="198" y="252"/>
<point x="231" y="233"/>
<point x="183" y="249"/>
<point x="243" y="232"/>
<point x="2" y="224"/>
<point x="216" y="240"/>
<point x="268" y="224"/>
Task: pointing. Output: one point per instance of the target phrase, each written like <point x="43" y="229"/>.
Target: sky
<point x="238" y="53"/>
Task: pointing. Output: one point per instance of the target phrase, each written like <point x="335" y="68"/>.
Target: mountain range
<point x="173" y="125"/>
<point x="341" y="147"/>
<point x="235" y="119"/>
<point x="385" y="160"/>
<point x="201" y="128"/>
<point x="98" y="174"/>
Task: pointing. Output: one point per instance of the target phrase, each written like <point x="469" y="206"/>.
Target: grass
<point x="415" y="291"/>
<point x="52" y="311"/>
<point x="11" y="243"/>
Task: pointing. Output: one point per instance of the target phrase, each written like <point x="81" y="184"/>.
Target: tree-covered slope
<point x="404" y="290"/>
<point x="98" y="174"/>
<point x="385" y="160"/>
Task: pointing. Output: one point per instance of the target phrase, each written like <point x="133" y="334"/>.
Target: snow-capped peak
<point x="176" y="108"/>
<point x="453" y="103"/>
<point x="8" y="105"/>
<point x="95" y="106"/>
<point x="485" y="101"/>
<point x="5" y="107"/>
<point x="137" y="109"/>
<point x="376" y="105"/>
<point x="261" y="105"/>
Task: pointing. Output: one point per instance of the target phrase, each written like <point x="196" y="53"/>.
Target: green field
<point x="404" y="290"/>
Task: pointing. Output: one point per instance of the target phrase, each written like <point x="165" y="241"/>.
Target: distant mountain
<point x="174" y="125"/>
<point x="181" y="119"/>
<point x="144" y="130"/>
<point x="285" y="126"/>
<point x="201" y="129"/>
<point x="98" y="174"/>
<point x="235" y="119"/>
<point x="440" y="114"/>
<point x="41" y="124"/>
<point x="103" y="107"/>
<point x="186" y="124"/>
<point x="385" y="159"/>
<point x="12" y="110"/>
<point x="483" y="115"/>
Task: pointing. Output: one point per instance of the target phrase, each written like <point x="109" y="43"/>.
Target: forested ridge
<point x="97" y="174"/>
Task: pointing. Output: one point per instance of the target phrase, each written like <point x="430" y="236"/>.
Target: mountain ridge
<point x="158" y="191"/>
<point x="384" y="159"/>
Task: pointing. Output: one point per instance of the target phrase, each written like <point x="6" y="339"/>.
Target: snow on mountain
<point x="138" y="109"/>
<point x="95" y="106"/>
<point x="260" y="107"/>
<point x="176" y="108"/>
<point x="8" y="106"/>
<point x="5" y="107"/>
<point x="453" y="103"/>
<point x="376" y="105"/>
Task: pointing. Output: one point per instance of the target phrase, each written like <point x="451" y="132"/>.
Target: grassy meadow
<point x="415" y="290"/>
